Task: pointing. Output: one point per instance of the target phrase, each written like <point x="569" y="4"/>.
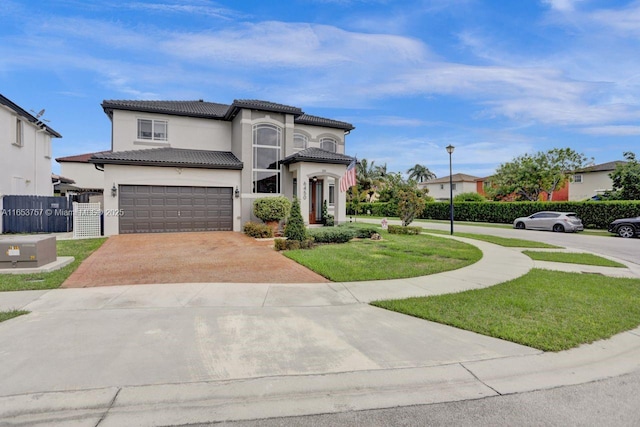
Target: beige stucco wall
<point x="592" y="183"/>
<point x="443" y="194"/>
<point x="149" y="175"/>
<point x="183" y="132"/>
<point x="85" y="175"/>
<point x="315" y="134"/>
<point x="24" y="170"/>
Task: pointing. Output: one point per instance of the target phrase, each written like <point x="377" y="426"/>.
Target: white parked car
<point x="560" y="222"/>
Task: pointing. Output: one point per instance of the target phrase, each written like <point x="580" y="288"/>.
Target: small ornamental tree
<point x="295" y="229"/>
<point x="410" y="204"/>
<point x="270" y="209"/>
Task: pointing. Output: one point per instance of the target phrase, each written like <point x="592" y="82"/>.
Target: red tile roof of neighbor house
<point x="80" y="158"/>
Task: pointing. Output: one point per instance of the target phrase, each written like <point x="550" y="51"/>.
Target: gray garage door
<point x="163" y="209"/>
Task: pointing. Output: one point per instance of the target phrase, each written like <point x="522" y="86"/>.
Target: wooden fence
<point x="36" y="214"/>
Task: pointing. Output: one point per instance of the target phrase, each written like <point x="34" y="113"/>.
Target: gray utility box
<point x="27" y="251"/>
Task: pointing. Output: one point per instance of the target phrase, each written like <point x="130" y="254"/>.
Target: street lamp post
<point x="450" y="149"/>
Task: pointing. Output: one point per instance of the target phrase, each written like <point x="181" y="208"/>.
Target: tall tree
<point x="420" y="173"/>
<point x="370" y="176"/>
<point x="560" y="164"/>
<point x="528" y="176"/>
<point x="626" y="178"/>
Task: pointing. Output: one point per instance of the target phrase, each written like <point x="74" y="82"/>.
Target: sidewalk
<point x="195" y="353"/>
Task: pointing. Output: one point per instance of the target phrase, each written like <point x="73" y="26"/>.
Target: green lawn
<point x="6" y="315"/>
<point x="396" y="256"/>
<point x="572" y="258"/>
<point x="80" y="249"/>
<point x="547" y="310"/>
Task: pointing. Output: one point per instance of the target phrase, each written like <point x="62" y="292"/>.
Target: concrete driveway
<point x="221" y="256"/>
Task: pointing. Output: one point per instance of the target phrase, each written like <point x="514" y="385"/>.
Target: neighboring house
<point x="559" y="195"/>
<point x="26" y="152"/>
<point x="25" y="162"/>
<point x="439" y="188"/>
<point x="86" y="176"/>
<point x="592" y="180"/>
<point x="195" y="165"/>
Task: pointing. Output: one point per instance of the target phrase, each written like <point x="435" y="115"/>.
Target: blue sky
<point x="494" y="78"/>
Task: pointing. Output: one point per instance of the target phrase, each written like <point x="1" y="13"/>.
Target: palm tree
<point x="420" y="173"/>
<point x="370" y="176"/>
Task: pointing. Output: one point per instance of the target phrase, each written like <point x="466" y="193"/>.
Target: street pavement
<point x="208" y="352"/>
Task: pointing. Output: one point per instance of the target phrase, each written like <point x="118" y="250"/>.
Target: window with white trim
<point x="329" y="144"/>
<point x="152" y="130"/>
<point x="300" y="141"/>
<point x="577" y="179"/>
<point x="267" y="142"/>
<point x="19" y="132"/>
<point x="332" y="194"/>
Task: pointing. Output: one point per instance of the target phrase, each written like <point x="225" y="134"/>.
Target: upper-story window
<point x="577" y="179"/>
<point x="19" y="133"/>
<point x="329" y="144"/>
<point x="267" y="143"/>
<point x="152" y="130"/>
<point x="300" y="141"/>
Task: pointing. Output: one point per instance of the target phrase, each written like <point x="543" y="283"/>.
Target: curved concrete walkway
<point x="195" y="353"/>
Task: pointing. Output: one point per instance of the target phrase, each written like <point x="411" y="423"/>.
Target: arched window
<point x="300" y="141"/>
<point x="329" y="144"/>
<point x="267" y="142"/>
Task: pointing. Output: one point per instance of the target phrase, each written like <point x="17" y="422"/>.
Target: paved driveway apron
<point x="219" y="256"/>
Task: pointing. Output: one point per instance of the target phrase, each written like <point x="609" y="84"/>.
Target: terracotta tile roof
<point x="317" y="155"/>
<point x="307" y="119"/>
<point x="197" y="108"/>
<point x="175" y="157"/>
<point x="22" y="112"/>
<point x="212" y="110"/>
<point x="79" y="158"/>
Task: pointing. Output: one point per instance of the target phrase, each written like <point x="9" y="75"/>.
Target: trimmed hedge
<point x="593" y="214"/>
<point x="399" y="229"/>
<point x="364" y="232"/>
<point x="332" y="234"/>
<point x="376" y="209"/>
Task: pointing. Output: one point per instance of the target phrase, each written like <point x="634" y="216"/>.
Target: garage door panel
<point x="157" y="209"/>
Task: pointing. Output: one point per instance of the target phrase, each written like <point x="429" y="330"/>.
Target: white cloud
<point x="612" y="130"/>
<point x="562" y="5"/>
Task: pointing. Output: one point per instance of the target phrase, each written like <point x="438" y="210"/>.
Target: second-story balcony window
<point x="152" y="130"/>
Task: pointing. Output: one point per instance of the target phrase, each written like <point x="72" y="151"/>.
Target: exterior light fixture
<point x="450" y="149"/>
<point x="114" y="190"/>
<point x="237" y="192"/>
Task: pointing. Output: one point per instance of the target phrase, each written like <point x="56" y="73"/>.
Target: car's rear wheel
<point x="558" y="228"/>
<point x="520" y="226"/>
<point x="626" y="231"/>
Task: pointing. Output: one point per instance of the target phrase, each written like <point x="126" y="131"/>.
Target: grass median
<point x="547" y="310"/>
<point x="6" y="315"/>
<point x="573" y="258"/>
<point x="79" y="249"/>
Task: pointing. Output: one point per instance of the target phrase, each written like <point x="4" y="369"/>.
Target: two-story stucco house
<point x="196" y="166"/>
<point x="25" y="160"/>
<point x="440" y="190"/>
<point x="26" y="152"/>
<point x="592" y="180"/>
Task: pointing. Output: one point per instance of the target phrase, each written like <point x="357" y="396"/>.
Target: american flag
<point x="349" y="178"/>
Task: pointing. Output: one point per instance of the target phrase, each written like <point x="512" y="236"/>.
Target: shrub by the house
<point x="258" y="231"/>
<point x="295" y="229"/>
